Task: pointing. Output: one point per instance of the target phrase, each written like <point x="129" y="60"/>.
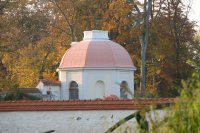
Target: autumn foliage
<point x="35" y="34"/>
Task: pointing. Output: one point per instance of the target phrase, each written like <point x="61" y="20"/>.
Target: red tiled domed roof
<point x="96" y="54"/>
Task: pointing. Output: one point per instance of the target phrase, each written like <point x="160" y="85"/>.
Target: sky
<point x="195" y="12"/>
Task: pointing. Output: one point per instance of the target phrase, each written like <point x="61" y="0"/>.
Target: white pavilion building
<point x="93" y="68"/>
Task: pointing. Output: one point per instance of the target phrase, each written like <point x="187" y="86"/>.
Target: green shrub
<point x="184" y="116"/>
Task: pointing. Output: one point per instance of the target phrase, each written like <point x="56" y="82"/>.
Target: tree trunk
<point x="177" y="46"/>
<point x="144" y="43"/>
<point x="143" y="67"/>
<point x="72" y="34"/>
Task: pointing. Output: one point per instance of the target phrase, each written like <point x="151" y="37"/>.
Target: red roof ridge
<point x="51" y="82"/>
<point x="131" y="104"/>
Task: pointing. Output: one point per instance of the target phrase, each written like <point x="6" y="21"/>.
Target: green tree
<point x="183" y="117"/>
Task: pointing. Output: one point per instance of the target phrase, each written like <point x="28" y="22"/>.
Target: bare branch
<point x="66" y="32"/>
<point x="160" y="5"/>
<point x="62" y="12"/>
<point x="137" y="9"/>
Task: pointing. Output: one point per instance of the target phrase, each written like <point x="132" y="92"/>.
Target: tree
<point x="183" y="117"/>
<point x="66" y="12"/>
<point x="31" y="29"/>
<point x="174" y="67"/>
<point x="8" y="35"/>
<point x="144" y="43"/>
<point x="32" y="33"/>
<point x="195" y="49"/>
<point x="127" y="19"/>
<point x="129" y="24"/>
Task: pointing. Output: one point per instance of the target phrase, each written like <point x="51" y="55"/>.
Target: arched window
<point x="100" y="89"/>
<point x="73" y="90"/>
<point x="123" y="90"/>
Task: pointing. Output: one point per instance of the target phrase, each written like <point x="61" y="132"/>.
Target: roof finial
<point x="96" y="35"/>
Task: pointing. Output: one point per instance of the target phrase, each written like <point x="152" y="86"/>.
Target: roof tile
<point x="82" y="104"/>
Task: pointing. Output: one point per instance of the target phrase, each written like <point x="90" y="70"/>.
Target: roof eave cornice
<point x="98" y="68"/>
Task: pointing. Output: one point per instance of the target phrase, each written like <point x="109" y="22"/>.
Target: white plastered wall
<point x="91" y="121"/>
<point x="111" y="79"/>
<point x="127" y="76"/>
<point x="87" y="78"/>
<point x="63" y="91"/>
<point x="90" y="79"/>
<point x="40" y="86"/>
<point x="66" y="77"/>
<point x="54" y="89"/>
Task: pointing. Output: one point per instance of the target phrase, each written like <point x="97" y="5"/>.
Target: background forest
<point x="34" y="34"/>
